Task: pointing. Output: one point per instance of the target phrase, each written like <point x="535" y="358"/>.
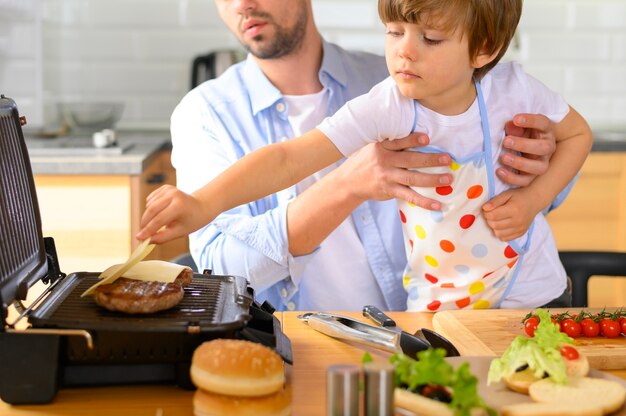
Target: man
<point x="333" y="241"/>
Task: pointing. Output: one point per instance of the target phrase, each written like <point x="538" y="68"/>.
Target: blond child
<point x="474" y="243"/>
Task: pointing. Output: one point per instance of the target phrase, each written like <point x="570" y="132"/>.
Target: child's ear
<point x="484" y="57"/>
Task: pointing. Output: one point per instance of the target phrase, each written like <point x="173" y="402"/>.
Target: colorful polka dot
<point x="434" y="305"/>
<point x="476" y="287"/>
<point x="402" y="217"/>
<point x="447" y="246"/>
<point x="437" y="216"/>
<point x="447" y="286"/>
<point x="432" y="261"/>
<point x="474" y="192"/>
<point x="411" y="244"/>
<point x="432" y="279"/>
<point x="487" y="274"/>
<point x="480" y="251"/>
<point x="482" y="304"/>
<point x="511" y="264"/>
<point x="444" y="190"/>
<point x="455" y="166"/>
<point x="405" y="280"/>
<point x="461" y="303"/>
<point x="420" y="232"/>
<point x="509" y="253"/>
<point x="461" y="268"/>
<point x="466" y="221"/>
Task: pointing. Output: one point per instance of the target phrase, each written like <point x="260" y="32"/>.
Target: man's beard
<point x="285" y="41"/>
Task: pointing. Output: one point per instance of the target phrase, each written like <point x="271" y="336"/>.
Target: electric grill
<point x="71" y="341"/>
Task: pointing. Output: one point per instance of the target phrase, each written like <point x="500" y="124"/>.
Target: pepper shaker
<point x="342" y="390"/>
<point x="379" y="386"/>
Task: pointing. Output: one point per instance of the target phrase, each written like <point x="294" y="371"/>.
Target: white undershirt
<point x="338" y="274"/>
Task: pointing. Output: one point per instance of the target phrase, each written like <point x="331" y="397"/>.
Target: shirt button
<point x="284" y="293"/>
<point x="280" y="107"/>
<point x="291" y="306"/>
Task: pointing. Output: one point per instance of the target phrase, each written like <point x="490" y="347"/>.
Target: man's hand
<point x="532" y="135"/>
<point x="380" y="171"/>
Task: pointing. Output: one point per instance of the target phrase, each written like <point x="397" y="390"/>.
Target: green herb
<point x="367" y="358"/>
<point x="432" y="368"/>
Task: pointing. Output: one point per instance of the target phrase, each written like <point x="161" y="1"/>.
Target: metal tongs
<point x="348" y="329"/>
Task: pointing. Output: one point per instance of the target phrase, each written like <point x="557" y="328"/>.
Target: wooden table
<point x="312" y="351"/>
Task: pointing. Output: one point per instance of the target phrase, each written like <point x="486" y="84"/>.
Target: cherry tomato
<point x="571" y="328"/>
<point x="623" y="326"/>
<point x="530" y="325"/>
<point x="569" y="353"/>
<point x="609" y="328"/>
<point x="589" y="327"/>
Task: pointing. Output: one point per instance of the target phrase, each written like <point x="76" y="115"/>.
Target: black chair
<point x="581" y="265"/>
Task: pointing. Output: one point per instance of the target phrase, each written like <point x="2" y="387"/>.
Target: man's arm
<point x="376" y="172"/>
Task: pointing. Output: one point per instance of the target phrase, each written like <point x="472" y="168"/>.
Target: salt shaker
<point x="379" y="386"/>
<point x="342" y="390"/>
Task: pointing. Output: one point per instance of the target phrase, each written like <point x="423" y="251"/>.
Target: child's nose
<point x="407" y="50"/>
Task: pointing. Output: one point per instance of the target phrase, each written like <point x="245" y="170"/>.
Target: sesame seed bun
<point x="211" y="404"/>
<point x="237" y="368"/>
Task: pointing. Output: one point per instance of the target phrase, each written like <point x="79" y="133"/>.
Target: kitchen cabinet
<point x="593" y="217"/>
<point x="94" y="217"/>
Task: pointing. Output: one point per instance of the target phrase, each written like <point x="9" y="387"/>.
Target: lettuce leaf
<point x="432" y="368"/>
<point x="541" y="353"/>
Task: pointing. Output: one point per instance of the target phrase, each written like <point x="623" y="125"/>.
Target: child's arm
<point x="511" y="213"/>
<point x="256" y="175"/>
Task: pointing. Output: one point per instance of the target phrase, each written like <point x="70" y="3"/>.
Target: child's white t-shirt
<point x="384" y="113"/>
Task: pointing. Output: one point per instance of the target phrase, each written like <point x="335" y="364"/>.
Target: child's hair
<point x="488" y="24"/>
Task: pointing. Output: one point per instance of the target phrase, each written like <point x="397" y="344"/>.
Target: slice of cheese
<point x="152" y="271"/>
<point x="136" y="256"/>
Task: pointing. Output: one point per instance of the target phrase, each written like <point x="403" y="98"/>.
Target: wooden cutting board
<point x="490" y="332"/>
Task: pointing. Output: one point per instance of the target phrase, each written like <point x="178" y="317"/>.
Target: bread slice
<point x="605" y="394"/>
<point x="421" y="405"/>
<point x="550" y="409"/>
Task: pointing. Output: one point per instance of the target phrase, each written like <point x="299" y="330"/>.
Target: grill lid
<point x="22" y="253"/>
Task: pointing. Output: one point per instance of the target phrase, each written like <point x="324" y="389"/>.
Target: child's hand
<point x="510" y="213"/>
<point x="170" y="213"/>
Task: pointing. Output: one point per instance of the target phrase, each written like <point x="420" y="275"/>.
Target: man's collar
<point x="264" y="94"/>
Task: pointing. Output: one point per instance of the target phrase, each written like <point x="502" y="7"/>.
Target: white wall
<point x="139" y="51"/>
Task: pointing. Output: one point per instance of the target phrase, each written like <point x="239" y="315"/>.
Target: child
<point x="462" y="250"/>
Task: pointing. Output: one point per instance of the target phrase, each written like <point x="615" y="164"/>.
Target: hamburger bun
<point x="211" y="404"/>
<point x="237" y="368"/>
<point x="550" y="409"/>
<point x="421" y="405"/>
<point x="520" y="381"/>
<point x="606" y="395"/>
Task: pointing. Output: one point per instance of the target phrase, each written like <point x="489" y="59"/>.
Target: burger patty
<point x="139" y="297"/>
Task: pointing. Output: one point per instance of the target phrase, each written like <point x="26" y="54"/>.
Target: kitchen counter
<point x="313" y="352"/>
<point x="77" y="156"/>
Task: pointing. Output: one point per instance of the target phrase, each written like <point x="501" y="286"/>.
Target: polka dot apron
<point x="454" y="260"/>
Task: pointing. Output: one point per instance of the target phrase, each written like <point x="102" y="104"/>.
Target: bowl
<point x="90" y="116"/>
